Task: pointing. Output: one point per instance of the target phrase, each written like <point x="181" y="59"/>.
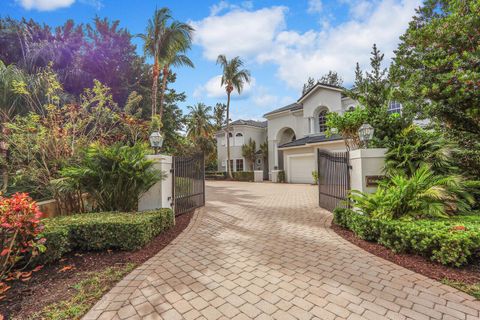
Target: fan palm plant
<point x="233" y="78"/>
<point x="249" y="152"/>
<point x="422" y="195"/>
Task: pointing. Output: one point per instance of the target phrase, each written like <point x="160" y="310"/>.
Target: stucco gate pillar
<point x="160" y="194"/>
<point x="367" y="168"/>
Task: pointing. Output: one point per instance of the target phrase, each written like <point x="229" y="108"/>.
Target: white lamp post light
<point x="156" y="141"/>
<point x="366" y="133"/>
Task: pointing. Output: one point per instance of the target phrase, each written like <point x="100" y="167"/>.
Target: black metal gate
<point x="188" y="183"/>
<point x="333" y="178"/>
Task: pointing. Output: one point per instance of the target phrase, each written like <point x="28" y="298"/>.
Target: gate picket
<point x="333" y="178"/>
<point x="188" y="183"/>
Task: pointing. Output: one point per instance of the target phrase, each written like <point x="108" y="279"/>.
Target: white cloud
<point x="263" y="36"/>
<point x="239" y="32"/>
<point x="315" y="6"/>
<point x="45" y="5"/>
<point x="263" y="98"/>
<point x="50" y="5"/>
<point x="213" y="89"/>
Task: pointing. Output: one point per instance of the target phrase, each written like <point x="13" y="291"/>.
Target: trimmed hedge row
<point x="102" y="231"/>
<point x="243" y="175"/>
<point x="450" y="242"/>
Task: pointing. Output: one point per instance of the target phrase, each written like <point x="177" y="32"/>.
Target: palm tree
<point x="153" y="46"/>
<point x="199" y="122"/>
<point x="249" y="152"/>
<point x="233" y="78"/>
<point x="177" y="40"/>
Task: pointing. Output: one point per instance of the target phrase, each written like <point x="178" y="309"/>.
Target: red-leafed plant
<point x="20" y="230"/>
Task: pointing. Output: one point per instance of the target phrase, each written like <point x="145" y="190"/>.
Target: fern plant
<point x="423" y="195"/>
<point x="114" y="176"/>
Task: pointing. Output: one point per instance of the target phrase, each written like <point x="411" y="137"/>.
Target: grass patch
<point x="471" y="289"/>
<point x="87" y="292"/>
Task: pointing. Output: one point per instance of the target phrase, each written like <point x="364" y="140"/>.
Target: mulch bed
<point x="419" y="264"/>
<point x="49" y="285"/>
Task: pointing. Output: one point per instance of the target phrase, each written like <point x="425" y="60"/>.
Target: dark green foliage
<point x="453" y="241"/>
<point x="114" y="176"/>
<point x="373" y="90"/>
<point x="437" y="67"/>
<point x="102" y="231"/>
<point x="243" y="175"/>
<point x="281" y="176"/>
<point x="414" y="147"/>
<point x="422" y="195"/>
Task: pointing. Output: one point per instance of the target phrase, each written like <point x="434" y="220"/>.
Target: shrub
<point x="243" y="175"/>
<point x="20" y="229"/>
<point x="315" y="176"/>
<point x="94" y="231"/>
<point x="115" y="176"/>
<point x="454" y="241"/>
<point x="422" y="195"/>
<point x="281" y="176"/>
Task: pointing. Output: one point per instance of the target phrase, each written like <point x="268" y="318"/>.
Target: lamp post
<point x="156" y="141"/>
<point x="366" y="133"/>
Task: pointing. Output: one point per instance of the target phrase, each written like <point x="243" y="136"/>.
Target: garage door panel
<point x="300" y="169"/>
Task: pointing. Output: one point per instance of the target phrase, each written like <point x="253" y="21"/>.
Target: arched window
<point x="239" y="139"/>
<point x="322" y="121"/>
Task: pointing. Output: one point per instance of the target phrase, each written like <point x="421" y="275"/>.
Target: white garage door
<point x="300" y="168"/>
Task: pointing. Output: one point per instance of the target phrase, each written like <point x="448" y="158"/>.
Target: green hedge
<point x="102" y="231"/>
<point x="453" y="241"/>
<point x="243" y="175"/>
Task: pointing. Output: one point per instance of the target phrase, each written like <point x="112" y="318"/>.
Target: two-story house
<point x="240" y="133"/>
<point x="294" y="133"/>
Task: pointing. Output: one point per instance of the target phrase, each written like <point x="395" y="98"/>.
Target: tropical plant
<point x="264" y="151"/>
<point x="177" y="41"/>
<point x="347" y="124"/>
<point x="373" y="90"/>
<point x="414" y="147"/>
<point x="315" y="176"/>
<point x="219" y="116"/>
<point x="249" y="152"/>
<point x="436" y="66"/>
<point x="114" y="176"/>
<point x="20" y="230"/>
<point x="233" y="78"/>
<point x="423" y="195"/>
<point x="165" y="44"/>
<point x="199" y="121"/>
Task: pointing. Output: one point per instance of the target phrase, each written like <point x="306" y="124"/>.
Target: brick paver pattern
<point x="265" y="251"/>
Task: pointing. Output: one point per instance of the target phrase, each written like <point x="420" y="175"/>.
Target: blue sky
<point x="281" y="42"/>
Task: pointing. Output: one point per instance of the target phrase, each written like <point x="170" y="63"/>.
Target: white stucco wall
<point x="160" y="194"/>
<point x="332" y="99"/>
<point x="365" y="162"/>
<point x="259" y="135"/>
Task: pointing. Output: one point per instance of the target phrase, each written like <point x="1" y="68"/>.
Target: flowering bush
<point x="20" y="229"/>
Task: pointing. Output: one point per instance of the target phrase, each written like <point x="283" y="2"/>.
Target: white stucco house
<point x="294" y="133"/>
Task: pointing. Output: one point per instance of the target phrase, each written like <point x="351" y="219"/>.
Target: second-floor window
<point x="394" y="107"/>
<point x="322" y="121"/>
<point x="239" y="139"/>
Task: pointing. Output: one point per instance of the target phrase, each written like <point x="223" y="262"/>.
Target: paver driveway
<point x="263" y="251"/>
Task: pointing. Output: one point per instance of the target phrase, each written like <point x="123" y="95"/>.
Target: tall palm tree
<point x="199" y="122"/>
<point x="233" y="78"/>
<point x="153" y="46"/>
<point x="177" y="40"/>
